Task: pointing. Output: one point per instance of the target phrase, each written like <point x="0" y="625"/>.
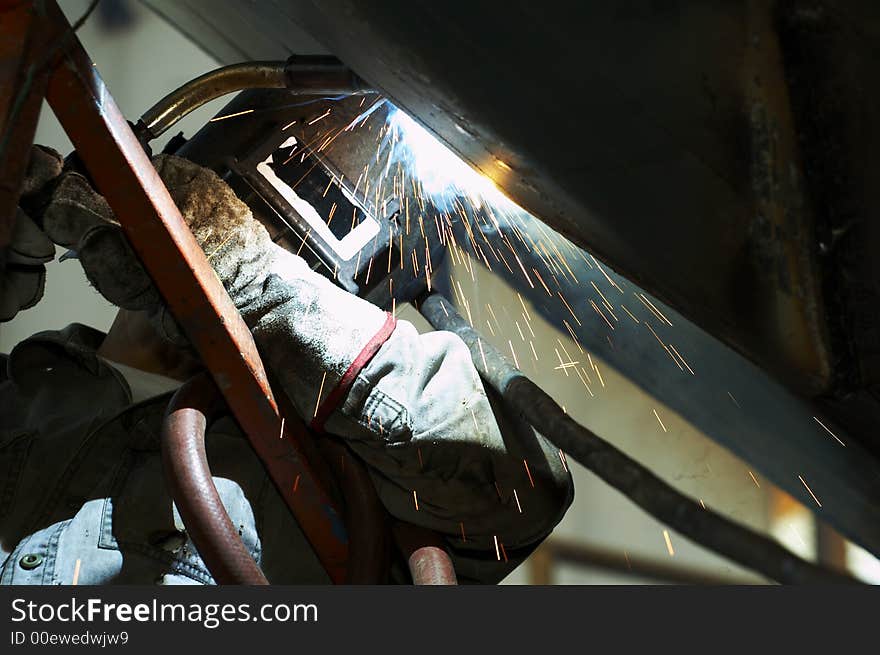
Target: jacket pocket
<point x="376" y="412"/>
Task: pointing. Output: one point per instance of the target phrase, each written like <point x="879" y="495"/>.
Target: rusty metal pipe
<point x="426" y="556"/>
<point x="312" y="75"/>
<point x="189" y="480"/>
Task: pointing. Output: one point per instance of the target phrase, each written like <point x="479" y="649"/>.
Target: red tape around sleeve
<point x="333" y="399"/>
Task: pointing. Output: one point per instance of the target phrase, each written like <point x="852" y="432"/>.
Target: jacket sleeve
<point x="442" y="454"/>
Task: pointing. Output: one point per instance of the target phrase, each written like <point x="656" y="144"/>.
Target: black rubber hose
<point x="636" y="482"/>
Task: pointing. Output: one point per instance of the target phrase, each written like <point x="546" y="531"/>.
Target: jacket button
<point x="30" y="561"/>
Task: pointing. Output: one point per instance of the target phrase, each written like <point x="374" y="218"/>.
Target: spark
<point x="529" y="473"/>
<point x="416" y="499"/>
<point x="281" y="431"/>
<point x="599" y="312"/>
<point x="733" y="399"/>
<point x="296" y="482"/>
<point x="804" y="482"/>
<point x="525" y="311"/>
<point x="76" y="573"/>
<point x="568" y="307"/>
<point x="320" y="391"/>
<point x="610" y="281"/>
<point x="497" y="552"/>
<point x="562" y="366"/>
<point x="223" y="118"/>
<point x="482" y="354"/>
<point x="623" y="307"/>
<point x="599" y="373"/>
<point x="516" y="497"/>
<point x="655" y="310"/>
<point x="816" y="418"/>
<point x="702" y="504"/>
<point x="290" y="124"/>
<point x="659" y="420"/>
<point x="562" y="459"/>
<point x="600" y="293"/>
<point x="754" y="479"/>
<point x="513" y="352"/>
<point x="315" y="120"/>
<point x="528" y="325"/>
<point x="461" y="525"/>
<point x="660" y="341"/>
<point x="644" y="301"/>
<point x="668" y="543"/>
<point x="682" y="359"/>
<point x="541" y="280"/>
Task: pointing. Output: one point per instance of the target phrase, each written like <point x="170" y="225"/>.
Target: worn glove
<point x="412" y="406"/>
<point x="24" y="278"/>
<point x="332" y="326"/>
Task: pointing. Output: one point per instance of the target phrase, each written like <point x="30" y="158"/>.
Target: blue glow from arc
<point x="443" y="176"/>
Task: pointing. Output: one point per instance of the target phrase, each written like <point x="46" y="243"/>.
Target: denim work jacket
<point x="82" y="488"/>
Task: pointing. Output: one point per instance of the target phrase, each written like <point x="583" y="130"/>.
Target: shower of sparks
<point x="441" y="197"/>
<point x="804" y="482"/>
<point x="238" y="113"/>
<point x="816" y="418"/>
<point x="659" y="420"/>
<point x="76" y="573"/>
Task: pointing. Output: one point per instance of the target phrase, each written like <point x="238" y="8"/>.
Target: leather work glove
<point x="411" y="405"/>
<point x="332" y="325"/>
<point x="24" y="277"/>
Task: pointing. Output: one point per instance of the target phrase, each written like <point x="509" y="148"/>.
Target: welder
<point x="82" y="495"/>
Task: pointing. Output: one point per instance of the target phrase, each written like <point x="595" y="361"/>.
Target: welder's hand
<point x="236" y="244"/>
<point x="24" y="276"/>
